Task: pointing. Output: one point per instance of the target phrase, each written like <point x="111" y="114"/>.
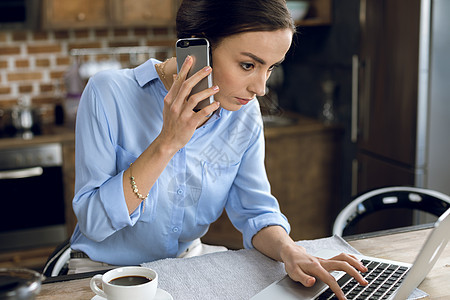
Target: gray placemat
<point x="230" y="275"/>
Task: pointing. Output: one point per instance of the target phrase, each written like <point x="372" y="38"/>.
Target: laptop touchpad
<point x="299" y="290"/>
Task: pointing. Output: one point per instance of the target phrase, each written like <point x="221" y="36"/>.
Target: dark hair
<point x="217" y="19"/>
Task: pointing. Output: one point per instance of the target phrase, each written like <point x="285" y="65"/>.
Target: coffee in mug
<point x="130" y="280"/>
<point x="137" y="283"/>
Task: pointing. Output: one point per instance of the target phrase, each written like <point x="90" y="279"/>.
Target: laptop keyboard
<point x="384" y="279"/>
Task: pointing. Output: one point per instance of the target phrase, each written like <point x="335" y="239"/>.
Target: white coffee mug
<point x="137" y="283"/>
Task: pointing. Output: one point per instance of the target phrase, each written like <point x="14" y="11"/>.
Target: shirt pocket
<point x="123" y="161"/>
<point x="217" y="180"/>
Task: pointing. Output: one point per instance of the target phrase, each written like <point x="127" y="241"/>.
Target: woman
<point x="152" y="174"/>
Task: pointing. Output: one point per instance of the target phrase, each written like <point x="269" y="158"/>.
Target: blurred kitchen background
<point x="359" y="103"/>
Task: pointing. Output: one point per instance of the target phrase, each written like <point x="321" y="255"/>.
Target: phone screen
<point x="199" y="50"/>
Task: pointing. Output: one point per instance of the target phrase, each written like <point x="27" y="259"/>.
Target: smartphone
<point x="199" y="50"/>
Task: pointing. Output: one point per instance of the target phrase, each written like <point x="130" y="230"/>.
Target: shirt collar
<point x="146" y="72"/>
<point x="216" y="115"/>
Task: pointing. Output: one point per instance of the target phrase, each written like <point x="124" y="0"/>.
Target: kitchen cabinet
<point x="302" y="166"/>
<point x="139" y="13"/>
<point x="68" y="14"/>
<point x="69" y="184"/>
<point x="65" y="14"/>
<point x="388" y="93"/>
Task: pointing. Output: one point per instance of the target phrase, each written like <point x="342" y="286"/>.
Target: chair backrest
<point x="426" y="200"/>
<point x="56" y="262"/>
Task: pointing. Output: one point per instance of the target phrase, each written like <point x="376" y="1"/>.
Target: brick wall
<point x="34" y="63"/>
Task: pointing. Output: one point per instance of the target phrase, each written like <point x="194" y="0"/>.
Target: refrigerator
<point x="401" y="98"/>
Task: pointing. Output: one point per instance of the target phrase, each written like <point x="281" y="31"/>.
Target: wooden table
<point x="404" y="247"/>
<point x="396" y="246"/>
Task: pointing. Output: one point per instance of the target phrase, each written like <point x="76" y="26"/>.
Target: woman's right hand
<point x="179" y="119"/>
<point x="179" y="124"/>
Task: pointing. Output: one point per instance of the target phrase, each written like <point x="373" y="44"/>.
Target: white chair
<point x="426" y="200"/>
<point x="57" y="262"/>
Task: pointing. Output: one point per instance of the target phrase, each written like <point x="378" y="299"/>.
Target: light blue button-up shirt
<point x="222" y="166"/>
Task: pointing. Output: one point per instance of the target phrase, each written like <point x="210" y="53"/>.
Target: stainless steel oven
<point x="31" y="197"/>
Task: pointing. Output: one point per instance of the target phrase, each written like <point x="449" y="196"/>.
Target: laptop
<point x="390" y="280"/>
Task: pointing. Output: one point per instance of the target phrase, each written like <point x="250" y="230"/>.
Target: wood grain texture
<point x="404" y="247"/>
<point x="67" y="290"/>
<point x="400" y="246"/>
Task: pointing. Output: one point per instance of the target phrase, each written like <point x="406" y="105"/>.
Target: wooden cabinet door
<point x="63" y="14"/>
<point x="388" y="79"/>
<point x="144" y="12"/>
<point x="374" y="173"/>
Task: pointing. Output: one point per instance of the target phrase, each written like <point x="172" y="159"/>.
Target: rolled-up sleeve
<point x="99" y="202"/>
<point x="251" y="206"/>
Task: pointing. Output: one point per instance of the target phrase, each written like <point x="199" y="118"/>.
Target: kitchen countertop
<point x="61" y="134"/>
<point x="50" y="134"/>
<point x="287" y="123"/>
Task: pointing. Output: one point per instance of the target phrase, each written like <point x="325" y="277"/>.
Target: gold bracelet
<point x="136" y="190"/>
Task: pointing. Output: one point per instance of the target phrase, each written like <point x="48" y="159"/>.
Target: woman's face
<point x="242" y="63"/>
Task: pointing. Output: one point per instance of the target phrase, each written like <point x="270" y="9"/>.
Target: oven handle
<point x="22" y="173"/>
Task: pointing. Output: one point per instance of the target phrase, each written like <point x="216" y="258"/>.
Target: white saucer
<point x="160" y="295"/>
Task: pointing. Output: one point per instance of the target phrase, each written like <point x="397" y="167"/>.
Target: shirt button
<point x="179" y="191"/>
<point x="175" y="229"/>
